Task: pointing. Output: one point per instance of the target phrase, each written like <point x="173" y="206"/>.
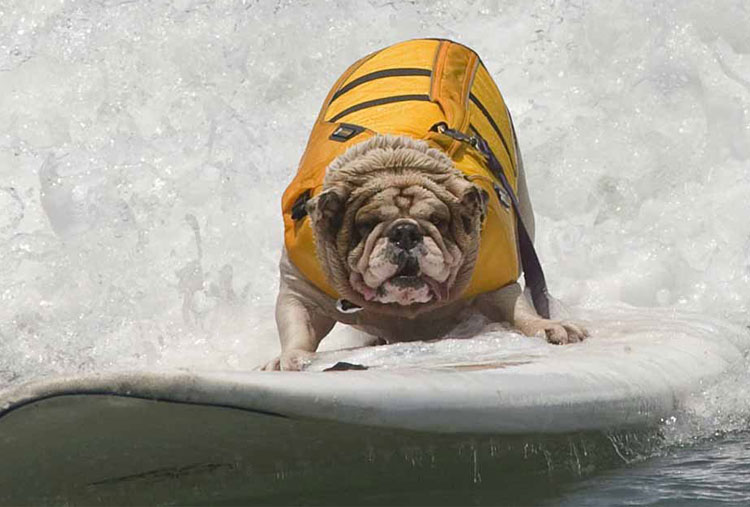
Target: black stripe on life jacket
<point x="379" y="75"/>
<point x="378" y="102"/>
<point x="487" y="115"/>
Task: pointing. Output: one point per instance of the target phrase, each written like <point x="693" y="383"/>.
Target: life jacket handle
<point x="532" y="269"/>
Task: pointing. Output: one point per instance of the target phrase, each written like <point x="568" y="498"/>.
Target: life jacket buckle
<point x="502" y="195"/>
<point x="443" y="129"/>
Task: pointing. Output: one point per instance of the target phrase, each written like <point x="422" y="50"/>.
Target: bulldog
<point x="402" y="236"/>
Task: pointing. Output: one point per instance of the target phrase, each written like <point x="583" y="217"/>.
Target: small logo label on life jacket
<point x="345" y="131"/>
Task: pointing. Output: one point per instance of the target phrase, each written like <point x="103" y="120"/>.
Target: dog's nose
<point x="406" y="235"/>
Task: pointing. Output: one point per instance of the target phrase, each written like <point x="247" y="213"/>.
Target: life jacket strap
<point x="532" y="269"/>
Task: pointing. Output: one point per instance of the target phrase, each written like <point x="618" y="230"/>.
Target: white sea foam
<point x="144" y="148"/>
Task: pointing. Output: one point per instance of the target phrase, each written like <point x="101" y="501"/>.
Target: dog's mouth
<point x="408" y="286"/>
<point x="408" y="266"/>
<point x="404" y="267"/>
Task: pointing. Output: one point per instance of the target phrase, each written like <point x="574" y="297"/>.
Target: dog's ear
<point x="327" y="209"/>
<point x="473" y="206"/>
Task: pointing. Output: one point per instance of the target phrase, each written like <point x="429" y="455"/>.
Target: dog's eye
<point x="437" y="220"/>
<point x="365" y="227"/>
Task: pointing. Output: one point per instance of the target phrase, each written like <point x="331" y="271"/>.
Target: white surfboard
<point x="633" y="372"/>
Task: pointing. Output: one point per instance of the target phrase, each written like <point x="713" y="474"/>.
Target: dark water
<point x="715" y="472"/>
<point x="98" y="450"/>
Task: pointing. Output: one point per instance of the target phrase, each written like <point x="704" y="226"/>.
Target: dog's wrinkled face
<point x="405" y="252"/>
<point x="403" y="239"/>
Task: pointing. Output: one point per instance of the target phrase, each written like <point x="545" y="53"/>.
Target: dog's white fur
<point x="305" y="315"/>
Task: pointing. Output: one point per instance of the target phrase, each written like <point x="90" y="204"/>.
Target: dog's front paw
<point x="557" y="332"/>
<point x="565" y="332"/>
<point x="290" y="360"/>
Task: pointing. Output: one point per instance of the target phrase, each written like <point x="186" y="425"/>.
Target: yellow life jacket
<point x="407" y="89"/>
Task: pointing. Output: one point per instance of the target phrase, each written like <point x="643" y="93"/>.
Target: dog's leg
<point x="301" y="330"/>
<point x="299" y="320"/>
<point x="508" y="304"/>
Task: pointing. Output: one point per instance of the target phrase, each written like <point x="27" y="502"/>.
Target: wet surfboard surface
<point x="631" y="372"/>
<point x="61" y="438"/>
